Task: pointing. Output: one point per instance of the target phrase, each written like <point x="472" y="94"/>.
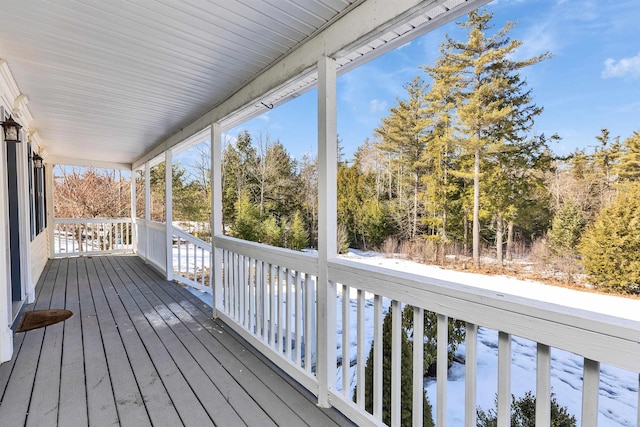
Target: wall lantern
<point x="11" y="130"/>
<point x="38" y="161"/>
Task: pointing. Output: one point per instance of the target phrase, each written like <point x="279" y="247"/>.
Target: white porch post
<point x="147" y="206"/>
<point x="134" y="213"/>
<point x="51" y="226"/>
<point x="168" y="193"/>
<point x="216" y="215"/>
<point x="327" y="228"/>
<point x="6" y="335"/>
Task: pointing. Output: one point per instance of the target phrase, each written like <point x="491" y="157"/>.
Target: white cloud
<point x="376" y="105"/>
<point x="625" y="67"/>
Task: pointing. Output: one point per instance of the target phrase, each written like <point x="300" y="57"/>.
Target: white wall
<point x="39" y="252"/>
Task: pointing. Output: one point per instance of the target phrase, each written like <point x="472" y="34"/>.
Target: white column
<point x="147" y="206"/>
<point x="134" y="202"/>
<point x="51" y="226"/>
<point x="168" y="202"/>
<point x="216" y="215"/>
<point x="327" y="226"/>
<point x="6" y="335"/>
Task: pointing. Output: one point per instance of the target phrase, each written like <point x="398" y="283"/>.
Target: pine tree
<point x="299" y="235"/>
<point x="308" y="182"/>
<point x="610" y="247"/>
<point x="406" y="398"/>
<point x="238" y="165"/>
<point x="523" y="413"/>
<point x="246" y="224"/>
<point x="566" y="228"/>
<point x="455" y="334"/>
<point x="403" y="136"/>
<point x="494" y="107"/>
<point x="628" y="168"/>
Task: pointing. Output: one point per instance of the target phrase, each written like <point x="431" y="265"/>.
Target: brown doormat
<point x="40" y="318"/>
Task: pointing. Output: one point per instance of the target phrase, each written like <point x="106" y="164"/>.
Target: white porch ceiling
<point x="110" y="80"/>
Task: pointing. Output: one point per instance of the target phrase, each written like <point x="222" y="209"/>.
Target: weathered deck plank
<point x="100" y="399"/>
<point x="43" y="408"/>
<point x="140" y="351"/>
<point x="73" y="399"/>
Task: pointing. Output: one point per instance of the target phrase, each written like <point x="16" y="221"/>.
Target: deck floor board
<point x="141" y="351"/>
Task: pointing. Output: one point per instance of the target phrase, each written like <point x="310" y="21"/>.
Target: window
<point x="37" y="196"/>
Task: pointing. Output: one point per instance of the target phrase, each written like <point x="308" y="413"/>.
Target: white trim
<point x="24" y="222"/>
<point x="70" y="161"/>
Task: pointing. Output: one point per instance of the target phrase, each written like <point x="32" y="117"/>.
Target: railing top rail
<point x="91" y="220"/>
<point x="591" y="334"/>
<point x="287" y="258"/>
<point x="191" y="238"/>
<point x="151" y="224"/>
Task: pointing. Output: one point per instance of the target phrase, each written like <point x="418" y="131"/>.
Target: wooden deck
<point x="141" y="351"/>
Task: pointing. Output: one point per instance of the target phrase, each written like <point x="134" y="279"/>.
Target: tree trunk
<point x="465" y="223"/>
<point x="510" y="241"/>
<point x="499" y="234"/>
<point x="476" y="209"/>
<point x="415" y="208"/>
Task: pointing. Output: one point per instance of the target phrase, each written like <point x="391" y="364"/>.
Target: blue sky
<point x="592" y="82"/>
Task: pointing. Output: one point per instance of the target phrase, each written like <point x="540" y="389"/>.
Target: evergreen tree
<point x="610" y="246"/>
<point x="494" y="107"/>
<point x="406" y="387"/>
<point x="566" y="228"/>
<point x="246" y="224"/>
<point x="403" y="136"/>
<point x="299" y="235"/>
<point x="270" y="232"/>
<point x="628" y="168"/>
<point x="456" y="335"/>
<point x="238" y="165"/>
<point x="308" y="182"/>
<point x="523" y="413"/>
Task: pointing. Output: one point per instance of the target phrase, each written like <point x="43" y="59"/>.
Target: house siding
<point x="39" y="250"/>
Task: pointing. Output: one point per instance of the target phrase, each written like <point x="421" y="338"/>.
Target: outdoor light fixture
<point x="11" y="130"/>
<point x="37" y="161"/>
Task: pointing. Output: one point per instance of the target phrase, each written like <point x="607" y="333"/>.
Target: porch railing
<point x="79" y="236"/>
<point x="191" y="261"/>
<point x="152" y="242"/>
<point x="269" y="297"/>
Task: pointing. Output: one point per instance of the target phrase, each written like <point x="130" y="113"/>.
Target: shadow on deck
<point x="141" y="351"/>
